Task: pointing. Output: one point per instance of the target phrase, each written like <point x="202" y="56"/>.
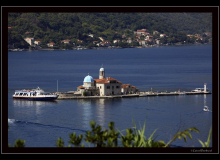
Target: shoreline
<point x="110" y="47"/>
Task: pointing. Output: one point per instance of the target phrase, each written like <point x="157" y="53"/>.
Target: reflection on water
<point x="204" y="100"/>
<point x="98" y="110"/>
<point x="86" y="106"/>
<point x="35" y="105"/>
<point x="26" y="103"/>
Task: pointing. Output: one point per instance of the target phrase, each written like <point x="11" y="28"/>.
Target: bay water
<point x="168" y="68"/>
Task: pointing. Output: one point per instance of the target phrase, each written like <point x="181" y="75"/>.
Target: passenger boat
<point x="34" y="94"/>
<point x="198" y="90"/>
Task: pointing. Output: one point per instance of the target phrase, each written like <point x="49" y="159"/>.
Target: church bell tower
<point x="101" y="73"/>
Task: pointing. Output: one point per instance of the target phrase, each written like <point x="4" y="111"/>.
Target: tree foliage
<point x="54" y="27"/>
<point x="134" y="137"/>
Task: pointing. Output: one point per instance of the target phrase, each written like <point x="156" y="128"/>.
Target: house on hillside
<point x="199" y="38"/>
<point x="105" y="43"/>
<point x="66" y="41"/>
<point x="90" y="35"/>
<point x="142" y="42"/>
<point x="149" y="37"/>
<point x="29" y="40"/>
<point x="129" y="40"/>
<point x="158" y="41"/>
<point x="116" y="40"/>
<point x="163" y="36"/>
<point x="138" y="36"/>
<point x="37" y="42"/>
<point x="141" y="32"/>
<point x="51" y="44"/>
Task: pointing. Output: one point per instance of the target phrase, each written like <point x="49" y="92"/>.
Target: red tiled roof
<point x="105" y="80"/>
<point x="126" y="86"/>
<point x="80" y="87"/>
<point x="51" y="43"/>
<point x="142" y="30"/>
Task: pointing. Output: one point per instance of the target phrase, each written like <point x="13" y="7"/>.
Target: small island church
<point x="104" y="86"/>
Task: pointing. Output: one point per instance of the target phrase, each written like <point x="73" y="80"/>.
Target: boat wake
<point x="13" y="121"/>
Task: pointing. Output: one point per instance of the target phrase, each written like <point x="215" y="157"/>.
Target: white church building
<point x="104" y="86"/>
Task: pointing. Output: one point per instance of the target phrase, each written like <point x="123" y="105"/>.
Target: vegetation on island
<point x="134" y="137"/>
<point x="84" y="29"/>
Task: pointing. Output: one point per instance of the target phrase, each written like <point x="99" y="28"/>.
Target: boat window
<point x="21" y="94"/>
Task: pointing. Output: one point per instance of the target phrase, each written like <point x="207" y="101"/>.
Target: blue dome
<point x="88" y="79"/>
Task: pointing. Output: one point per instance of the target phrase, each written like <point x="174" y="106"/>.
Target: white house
<point x="29" y="40"/>
<point x="90" y="35"/>
<point x="116" y="40"/>
<point x="129" y="40"/>
<point x="163" y="35"/>
<point x="157" y="41"/>
<point x="149" y="37"/>
<point x="37" y="42"/>
<point x="51" y="44"/>
<point x="66" y="41"/>
<point x="140" y="32"/>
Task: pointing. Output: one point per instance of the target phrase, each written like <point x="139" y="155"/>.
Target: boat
<point x="198" y="90"/>
<point x="37" y="94"/>
<point x="206" y="108"/>
<point x="201" y="90"/>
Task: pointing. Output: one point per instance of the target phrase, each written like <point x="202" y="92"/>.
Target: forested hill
<point x="54" y="27"/>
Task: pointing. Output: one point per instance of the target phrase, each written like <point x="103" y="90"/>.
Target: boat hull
<point x="51" y="98"/>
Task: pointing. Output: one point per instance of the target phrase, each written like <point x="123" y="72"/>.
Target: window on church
<point x="108" y="87"/>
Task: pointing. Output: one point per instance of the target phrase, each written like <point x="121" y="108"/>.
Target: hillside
<point x="54" y="27"/>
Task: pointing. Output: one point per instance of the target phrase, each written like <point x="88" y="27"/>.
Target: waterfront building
<point x="88" y="88"/>
<point x="107" y="86"/>
<point x="102" y="86"/>
<point x="127" y="88"/>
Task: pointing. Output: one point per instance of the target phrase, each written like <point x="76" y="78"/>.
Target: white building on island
<point x="104" y="86"/>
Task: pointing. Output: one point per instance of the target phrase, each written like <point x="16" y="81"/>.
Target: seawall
<point x="65" y="96"/>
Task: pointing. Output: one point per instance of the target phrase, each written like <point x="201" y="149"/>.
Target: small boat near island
<point x="37" y="94"/>
<point x="206" y="108"/>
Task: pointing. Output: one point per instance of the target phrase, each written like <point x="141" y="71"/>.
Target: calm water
<point x="164" y="69"/>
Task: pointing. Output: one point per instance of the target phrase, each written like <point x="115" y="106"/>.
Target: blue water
<point x="40" y="124"/>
